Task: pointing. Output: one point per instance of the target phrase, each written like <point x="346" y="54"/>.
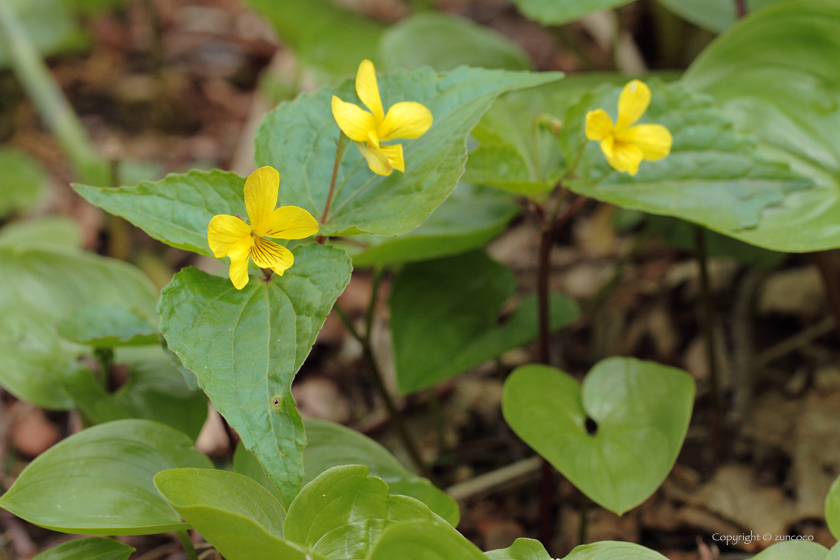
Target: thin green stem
<point x="188" y="545"/>
<point x="334" y="176"/>
<point x="49" y="100"/>
<point x="370" y="313"/>
<point x="535" y="146"/>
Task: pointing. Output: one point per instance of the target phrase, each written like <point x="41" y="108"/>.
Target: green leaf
<point x="607" y="550"/>
<point x="235" y="514"/>
<point x="776" y="76"/>
<point x="556" y="12"/>
<point x="445" y="42"/>
<point x="342" y="513"/>
<point x="713" y="15"/>
<point x="712" y="177"/>
<point x="246" y="463"/>
<point x="323" y="35"/>
<point x="108" y="326"/>
<point x="41" y="287"/>
<point x="794" y="550"/>
<point x="332" y="445"/>
<point x="640" y="410"/>
<point x="155" y="390"/>
<point x="521" y="549"/>
<point x="832" y="509"/>
<point x="50" y="232"/>
<point x="50" y="26"/>
<point x="424" y="540"/>
<point x="444" y="317"/>
<point x="177" y="209"/>
<point x="245" y="346"/>
<point x="100" y="481"/>
<point x="299" y="140"/>
<point x="22" y="181"/>
<point x="834" y="553"/>
<point x="95" y="548"/>
<point x="469" y="218"/>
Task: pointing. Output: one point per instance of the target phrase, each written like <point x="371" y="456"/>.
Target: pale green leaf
<point x="22" y="181"/>
<point x="424" y="540"/>
<point x="608" y="550"/>
<point x="53" y="231"/>
<point x="832" y="508"/>
<point x="556" y="12"/>
<point x="521" y="549"/>
<point x="108" y="326"/>
<point x="95" y="548"/>
<point x="794" y="550"/>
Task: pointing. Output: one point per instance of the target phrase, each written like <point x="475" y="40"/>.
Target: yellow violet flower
<point x="231" y="236"/>
<point x="407" y="119"/>
<point x="625" y="145"/>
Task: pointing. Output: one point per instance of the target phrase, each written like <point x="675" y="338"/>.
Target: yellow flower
<point x="231" y="236"/>
<point x="407" y="119"/>
<point x="625" y="145"/>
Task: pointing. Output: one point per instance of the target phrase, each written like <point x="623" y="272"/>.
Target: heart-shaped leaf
<point x="521" y="549"/>
<point x="342" y="513"/>
<point x="299" y="140"/>
<point x="613" y="551"/>
<point x="245" y="346"/>
<point x="235" y="514"/>
<point x="100" y="481"/>
<point x="95" y="548"/>
<point x="776" y="76"/>
<point x="616" y="437"/>
<point x="424" y="540"/>
<point x="444" y="317"/>
<point x="794" y="550"/>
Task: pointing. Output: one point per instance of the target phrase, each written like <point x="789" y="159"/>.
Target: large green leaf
<point x="95" y="548"/>
<point x="832" y="508"/>
<point x="556" y="12"/>
<point x="299" y="139"/>
<point x="41" y="287"/>
<point x="521" y="549"/>
<point x="177" y="209"/>
<point x="794" y="550"/>
<point x="235" y="514"/>
<point x="469" y="218"/>
<point x="109" y="326"/>
<point x="424" y="540"/>
<point x="50" y="232"/>
<point x="245" y="346"/>
<point x="834" y="553"/>
<point x="617" y="437"/>
<point x="445" y="42"/>
<point x="607" y="550"/>
<point x="324" y="35"/>
<point x="100" y="481"/>
<point x="342" y="513"/>
<point x="444" y="317"/>
<point x="777" y="77"/>
<point x="714" y="15"/>
<point x="712" y="177"/>
<point x="332" y="445"/>
<point x="22" y="181"/>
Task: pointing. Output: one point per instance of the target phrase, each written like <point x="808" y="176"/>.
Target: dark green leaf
<point x="245" y="346"/>
<point x="23" y="178"/>
<point x="100" y="481"/>
<point x="342" y="513"/>
<point x="108" y="326"/>
<point x="521" y="549"/>
<point x="556" y="12"/>
<point x="424" y="540"/>
<point x="244" y="462"/>
<point x="444" y="317"/>
<point x="445" y="42"/>
<point x="776" y="76"/>
<point x="299" y="140"/>
<point x="95" y="548"/>
<point x="640" y="410"/>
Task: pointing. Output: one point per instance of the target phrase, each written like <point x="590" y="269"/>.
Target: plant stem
<point x="741" y="8"/>
<point x="188" y="545"/>
<point x="119" y="242"/>
<point x="708" y="323"/>
<point x="584" y="519"/>
<point x="50" y="101"/>
<point x="334" y="176"/>
<point x="379" y="382"/>
<point x="827" y="261"/>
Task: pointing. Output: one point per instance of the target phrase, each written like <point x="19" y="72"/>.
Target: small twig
<point x="494" y="480"/>
<point x="189" y="549"/>
<point x="795" y="342"/>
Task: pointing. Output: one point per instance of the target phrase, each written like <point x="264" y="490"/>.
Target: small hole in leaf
<point x="276" y="401"/>
<point x="591" y="426"/>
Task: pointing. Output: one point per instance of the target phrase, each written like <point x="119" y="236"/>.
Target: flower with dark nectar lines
<point x="231" y="236"/>
<point x="625" y="145"/>
<point x="407" y="119"/>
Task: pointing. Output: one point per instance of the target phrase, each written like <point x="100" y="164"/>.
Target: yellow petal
<point x="654" y="140"/>
<point x="622" y="156"/>
<point x="376" y="158"/>
<point x="354" y="121"/>
<point x="289" y="222"/>
<point x="261" y="195"/>
<point x="632" y="104"/>
<point x="268" y="254"/>
<point x="226" y="232"/>
<point x="599" y="125"/>
<point x="368" y="90"/>
<point x="405" y="120"/>
<point x="239" y="267"/>
<point x="395" y="156"/>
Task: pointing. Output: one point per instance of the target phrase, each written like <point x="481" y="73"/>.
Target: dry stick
<point x="827" y="261"/>
<point x="708" y="324"/>
<point x="494" y="480"/>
